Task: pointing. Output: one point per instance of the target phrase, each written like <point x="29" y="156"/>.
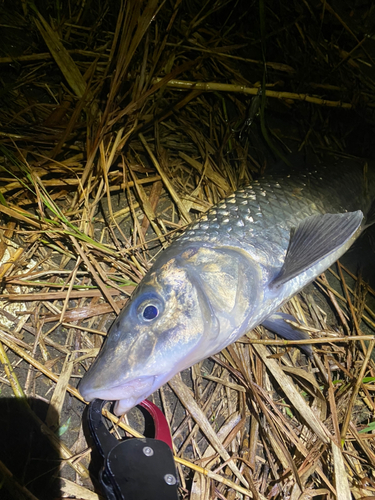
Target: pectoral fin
<point x="315" y="238"/>
<point x="276" y="323"/>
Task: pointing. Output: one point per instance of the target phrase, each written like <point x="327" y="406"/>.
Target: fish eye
<point x="150" y="312"/>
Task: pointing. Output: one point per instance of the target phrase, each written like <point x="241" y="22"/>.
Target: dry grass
<point x="122" y="123"/>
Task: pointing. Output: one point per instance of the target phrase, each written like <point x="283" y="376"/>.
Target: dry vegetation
<point x="120" y="123"/>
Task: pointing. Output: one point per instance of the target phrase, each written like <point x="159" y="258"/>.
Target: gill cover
<point x="193" y="302"/>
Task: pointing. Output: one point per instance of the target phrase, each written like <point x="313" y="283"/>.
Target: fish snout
<point x="127" y="394"/>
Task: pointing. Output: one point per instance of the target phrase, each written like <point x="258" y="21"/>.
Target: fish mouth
<point x="127" y="395"/>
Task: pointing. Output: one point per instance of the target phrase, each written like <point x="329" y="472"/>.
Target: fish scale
<point x="268" y="209"/>
<point x="229" y="272"/>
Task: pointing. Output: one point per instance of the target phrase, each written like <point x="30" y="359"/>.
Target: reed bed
<point x="121" y="123"/>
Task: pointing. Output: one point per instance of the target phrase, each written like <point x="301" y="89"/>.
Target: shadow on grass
<point x="29" y="462"/>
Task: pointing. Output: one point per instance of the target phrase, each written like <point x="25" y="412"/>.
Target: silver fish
<point x="228" y="273"/>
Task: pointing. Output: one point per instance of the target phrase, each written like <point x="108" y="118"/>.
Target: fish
<point x="229" y="272"/>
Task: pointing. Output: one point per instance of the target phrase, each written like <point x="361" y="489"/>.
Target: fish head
<point x="185" y="309"/>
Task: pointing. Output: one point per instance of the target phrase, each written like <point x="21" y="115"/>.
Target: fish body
<point x="229" y="272"/>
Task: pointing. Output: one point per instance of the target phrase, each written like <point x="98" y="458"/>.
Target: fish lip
<point x="139" y="387"/>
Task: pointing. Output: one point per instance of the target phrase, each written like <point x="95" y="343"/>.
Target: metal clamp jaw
<point x="135" y="468"/>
